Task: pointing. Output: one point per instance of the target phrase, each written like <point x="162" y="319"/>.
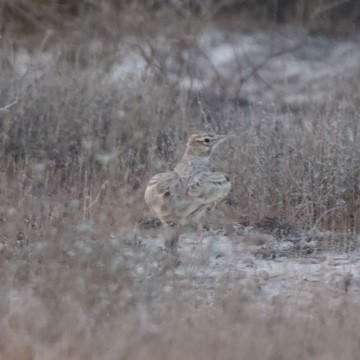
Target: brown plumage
<point x="184" y="195"/>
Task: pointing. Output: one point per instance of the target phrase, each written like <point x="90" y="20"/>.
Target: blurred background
<point x="319" y="15"/>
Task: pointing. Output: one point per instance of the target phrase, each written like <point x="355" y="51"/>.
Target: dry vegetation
<point x="75" y="153"/>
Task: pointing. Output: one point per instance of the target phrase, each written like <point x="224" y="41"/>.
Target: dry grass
<point x="72" y="136"/>
<point x="75" y="153"/>
<point x="29" y="16"/>
<point x="57" y="324"/>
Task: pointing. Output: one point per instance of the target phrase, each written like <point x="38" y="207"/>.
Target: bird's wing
<point x="162" y="195"/>
<point x="173" y="198"/>
<point x="163" y="188"/>
<point x="162" y="182"/>
<point x="209" y="187"/>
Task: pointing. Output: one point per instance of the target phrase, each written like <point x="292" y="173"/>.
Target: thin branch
<point x="8" y="106"/>
<point x="103" y="186"/>
<point x="256" y="68"/>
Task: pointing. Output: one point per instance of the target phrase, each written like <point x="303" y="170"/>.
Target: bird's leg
<point x="200" y="234"/>
<point x="171" y="244"/>
<point x="171" y="241"/>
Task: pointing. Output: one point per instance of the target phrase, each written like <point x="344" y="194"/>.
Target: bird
<point x="183" y="196"/>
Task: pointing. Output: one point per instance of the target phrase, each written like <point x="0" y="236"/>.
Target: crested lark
<point x="183" y="196"/>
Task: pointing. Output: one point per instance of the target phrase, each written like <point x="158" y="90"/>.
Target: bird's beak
<point x="222" y="138"/>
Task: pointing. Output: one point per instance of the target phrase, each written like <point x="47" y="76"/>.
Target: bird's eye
<point x="206" y="140"/>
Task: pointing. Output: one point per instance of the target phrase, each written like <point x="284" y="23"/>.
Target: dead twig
<point x="273" y="55"/>
<point x="8" y="106"/>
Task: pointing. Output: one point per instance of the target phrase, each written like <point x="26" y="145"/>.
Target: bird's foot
<point x="170" y="263"/>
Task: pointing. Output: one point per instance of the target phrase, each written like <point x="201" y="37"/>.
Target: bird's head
<point x="204" y="144"/>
